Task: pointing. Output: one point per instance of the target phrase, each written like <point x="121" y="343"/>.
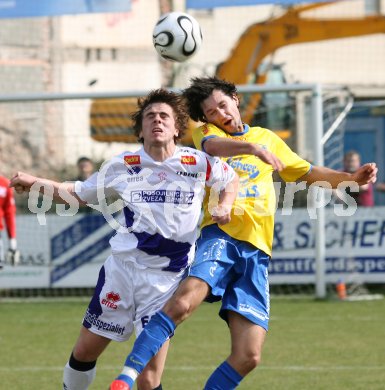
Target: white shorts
<point x="126" y="297"/>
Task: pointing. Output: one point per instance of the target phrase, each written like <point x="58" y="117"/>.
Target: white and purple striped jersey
<point x="162" y="201"/>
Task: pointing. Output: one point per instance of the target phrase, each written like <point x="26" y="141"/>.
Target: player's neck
<point x="160" y="153"/>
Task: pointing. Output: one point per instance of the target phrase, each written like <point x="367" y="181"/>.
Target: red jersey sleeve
<point x="10" y="213"/>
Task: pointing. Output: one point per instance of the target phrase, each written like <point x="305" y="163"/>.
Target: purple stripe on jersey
<point x="95" y="308"/>
<point x="155" y="244"/>
<point x="128" y="216"/>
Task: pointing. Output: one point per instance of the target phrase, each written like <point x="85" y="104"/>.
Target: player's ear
<point x="236" y="99"/>
<point x="176" y="135"/>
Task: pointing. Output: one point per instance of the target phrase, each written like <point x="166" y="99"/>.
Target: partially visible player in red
<point x="8" y="221"/>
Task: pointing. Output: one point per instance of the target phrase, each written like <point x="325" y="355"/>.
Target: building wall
<point x="114" y="52"/>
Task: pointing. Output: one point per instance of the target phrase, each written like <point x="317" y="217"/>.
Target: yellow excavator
<point x="110" y="120"/>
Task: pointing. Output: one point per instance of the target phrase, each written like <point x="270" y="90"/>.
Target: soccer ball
<point x="177" y="36"/>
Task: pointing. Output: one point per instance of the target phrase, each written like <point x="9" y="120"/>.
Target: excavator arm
<point x="261" y="39"/>
<point x="110" y="120"/>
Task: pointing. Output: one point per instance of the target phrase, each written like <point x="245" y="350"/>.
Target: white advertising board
<point x="68" y="251"/>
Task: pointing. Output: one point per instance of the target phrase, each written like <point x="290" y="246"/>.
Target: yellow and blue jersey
<point x="252" y="218"/>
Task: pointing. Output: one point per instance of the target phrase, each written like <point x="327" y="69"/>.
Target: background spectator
<point x="85" y="167"/>
<point x="364" y="197"/>
<point x="380" y="187"/>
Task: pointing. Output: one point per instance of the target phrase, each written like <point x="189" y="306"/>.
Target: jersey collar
<point x="176" y="151"/>
<point x="245" y="130"/>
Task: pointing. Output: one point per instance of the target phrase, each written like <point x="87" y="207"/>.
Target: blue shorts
<point x="237" y="273"/>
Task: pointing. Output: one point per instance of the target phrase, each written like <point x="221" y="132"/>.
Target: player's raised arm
<point x="61" y="192"/>
<point x="364" y="175"/>
<point x="224" y="147"/>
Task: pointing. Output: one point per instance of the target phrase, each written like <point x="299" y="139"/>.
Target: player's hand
<point x="13" y="257"/>
<point x="269" y="158"/>
<point x="22" y="182"/>
<point x="365" y="174"/>
<point x="221" y="214"/>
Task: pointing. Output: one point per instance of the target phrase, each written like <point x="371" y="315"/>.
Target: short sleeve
<point x="87" y="190"/>
<point x="218" y="172"/>
<point x="98" y="185"/>
<point x="295" y="166"/>
<point x="202" y="133"/>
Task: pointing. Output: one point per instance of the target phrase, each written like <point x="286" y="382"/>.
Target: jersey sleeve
<point x="87" y="190"/>
<point x="202" y="133"/>
<point x="10" y="214"/>
<point x="218" y="172"/>
<point x="99" y="185"/>
<point x="295" y="166"/>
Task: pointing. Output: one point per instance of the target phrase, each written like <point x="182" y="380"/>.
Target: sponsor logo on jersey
<point x="188" y="160"/>
<point x="196" y="175"/>
<point x="133" y="166"/>
<point x="134" y="178"/>
<point x="111" y="299"/>
<point x="162" y="196"/>
<point x="240" y="137"/>
<point x="134" y="170"/>
<point x="251" y="169"/>
<point x="132" y="159"/>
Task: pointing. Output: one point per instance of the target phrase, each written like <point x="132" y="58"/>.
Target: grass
<point x="311" y="344"/>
